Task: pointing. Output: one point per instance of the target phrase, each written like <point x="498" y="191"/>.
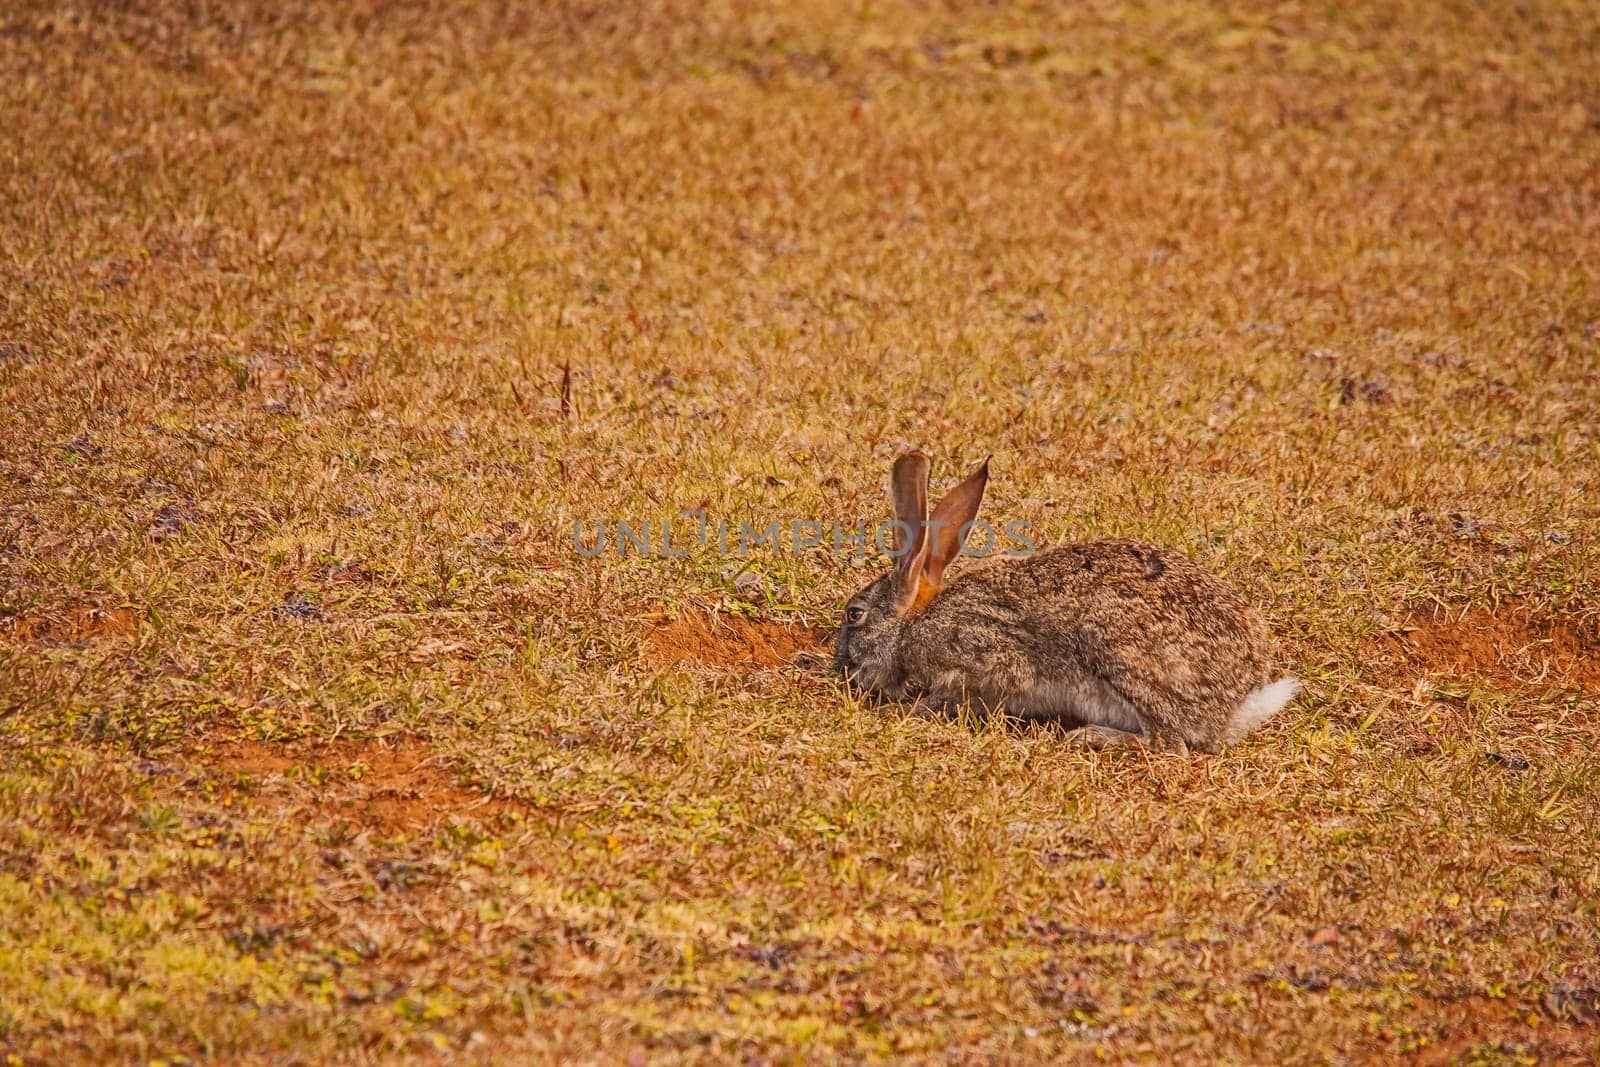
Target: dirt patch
<point x="80" y="622"/>
<point x="1477" y="1028"/>
<point x="728" y="642"/>
<point x="1511" y="646"/>
<point x="392" y="788"/>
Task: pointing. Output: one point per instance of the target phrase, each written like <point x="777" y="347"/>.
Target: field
<point x="323" y="324"/>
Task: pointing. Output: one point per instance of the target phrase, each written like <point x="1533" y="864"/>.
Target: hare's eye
<point x="854" y="613"/>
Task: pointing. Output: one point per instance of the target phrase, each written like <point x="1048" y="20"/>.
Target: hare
<point x="1121" y="641"/>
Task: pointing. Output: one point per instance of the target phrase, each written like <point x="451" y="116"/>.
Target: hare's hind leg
<point x="1096" y="737"/>
<point x="1099" y="737"/>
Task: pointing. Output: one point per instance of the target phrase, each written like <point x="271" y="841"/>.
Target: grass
<point x="322" y="324"/>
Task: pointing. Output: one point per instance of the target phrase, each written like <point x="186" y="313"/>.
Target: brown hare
<point x="1120" y="641"/>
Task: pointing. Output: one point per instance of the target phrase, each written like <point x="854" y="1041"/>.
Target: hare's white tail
<point x="1261" y="705"/>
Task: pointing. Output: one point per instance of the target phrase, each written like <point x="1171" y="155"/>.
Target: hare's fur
<point x="1124" y="642"/>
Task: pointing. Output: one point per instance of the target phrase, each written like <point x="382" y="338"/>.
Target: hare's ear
<point x="908" y="491"/>
<point x="950" y="521"/>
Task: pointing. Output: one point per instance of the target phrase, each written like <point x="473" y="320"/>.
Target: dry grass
<point x="321" y="742"/>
